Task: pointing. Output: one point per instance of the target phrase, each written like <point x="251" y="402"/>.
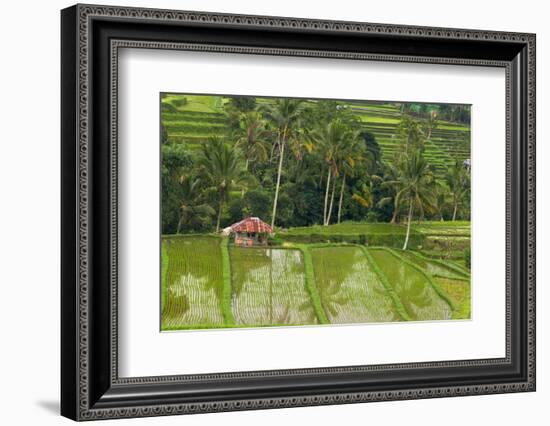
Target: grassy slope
<point x="350" y="228"/>
<point x="202" y="117"/>
<point x="432" y="229"/>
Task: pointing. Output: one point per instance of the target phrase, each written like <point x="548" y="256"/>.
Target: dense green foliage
<point x="298" y="163"/>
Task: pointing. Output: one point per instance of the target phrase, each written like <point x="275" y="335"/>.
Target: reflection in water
<point x="193" y="283"/>
<point x="269" y="287"/>
<point x="350" y="290"/>
<point x="197" y="302"/>
<point x="417" y="295"/>
<point x="435" y="268"/>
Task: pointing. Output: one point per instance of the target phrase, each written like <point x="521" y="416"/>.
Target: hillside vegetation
<point x="202" y="117"/>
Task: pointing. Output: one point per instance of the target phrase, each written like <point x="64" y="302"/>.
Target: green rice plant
<point x="193" y="283"/>
<point x="449" y="279"/>
<point x="417" y="293"/>
<point x="164" y="270"/>
<point x="426" y="274"/>
<point x="186" y="127"/>
<point x="350" y="290"/>
<point x="269" y="288"/>
<point x="435" y="268"/>
<point x="227" y="288"/>
<point x="468" y="257"/>
<point x="188" y="117"/>
<point x="400" y="309"/>
<point x="460" y="292"/>
<point x="311" y="286"/>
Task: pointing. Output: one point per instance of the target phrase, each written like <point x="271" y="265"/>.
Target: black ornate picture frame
<point x="91" y="36"/>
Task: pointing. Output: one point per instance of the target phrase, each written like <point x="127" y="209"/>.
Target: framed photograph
<point x="263" y="212"/>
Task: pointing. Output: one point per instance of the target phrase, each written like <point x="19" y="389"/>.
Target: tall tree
<point x="441" y="193"/>
<point x="430" y="124"/>
<point x="415" y="182"/>
<point x="223" y="169"/>
<point x="252" y="137"/>
<point x="330" y="140"/>
<point x="458" y="180"/>
<point x="390" y="182"/>
<point x="411" y="134"/>
<point x="176" y="159"/>
<point x="350" y="156"/>
<point x="412" y="139"/>
<point x="193" y="213"/>
<point x="285" y="115"/>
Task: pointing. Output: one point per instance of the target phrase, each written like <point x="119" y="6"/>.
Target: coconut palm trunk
<point x="326" y="198"/>
<point x="219" y="217"/>
<point x="341" y="197"/>
<point x="282" y="154"/>
<point x="454" y="211"/>
<point x="408" y="225"/>
<point x="394" y="215"/>
<point x="246" y="170"/>
<point x="329" y="214"/>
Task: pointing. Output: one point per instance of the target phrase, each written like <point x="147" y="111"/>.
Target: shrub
<point x="274" y="240"/>
<point x="385" y="240"/>
<point x="372" y="217"/>
<point x="313" y="238"/>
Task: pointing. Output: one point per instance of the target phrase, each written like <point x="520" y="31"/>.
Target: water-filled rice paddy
<point x="436" y="268"/>
<point x="418" y="296"/>
<point x="207" y="283"/>
<point x="459" y="292"/>
<point x="350" y="290"/>
<point x="269" y="287"/>
<point x="192" y="284"/>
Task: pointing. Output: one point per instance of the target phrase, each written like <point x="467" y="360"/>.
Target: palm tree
<point x="330" y="139"/>
<point x="252" y="137"/>
<point x="411" y="134"/>
<point x="192" y="212"/>
<point x="415" y="182"/>
<point x="431" y="124"/>
<point x="333" y="298"/>
<point x="284" y="114"/>
<point x="365" y="197"/>
<point x="390" y="181"/>
<point x="458" y="180"/>
<point x="441" y="193"/>
<point x="223" y="169"/>
<point x="351" y="156"/>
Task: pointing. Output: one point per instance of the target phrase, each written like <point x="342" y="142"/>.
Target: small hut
<point x="250" y="232"/>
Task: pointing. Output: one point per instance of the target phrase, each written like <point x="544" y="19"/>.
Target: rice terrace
<point x="293" y="212"/>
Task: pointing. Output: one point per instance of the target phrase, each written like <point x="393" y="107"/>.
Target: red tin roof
<point x="252" y="224"/>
